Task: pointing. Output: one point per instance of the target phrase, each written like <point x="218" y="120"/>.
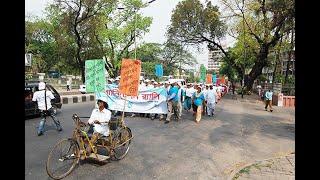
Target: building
<point x="281" y="67"/>
<point x="215" y="60"/>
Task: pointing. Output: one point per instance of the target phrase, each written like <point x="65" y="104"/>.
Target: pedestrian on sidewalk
<point x="268" y="98"/>
<point x="43" y="98"/>
<point x="197" y="101"/>
<point x="68" y="85"/>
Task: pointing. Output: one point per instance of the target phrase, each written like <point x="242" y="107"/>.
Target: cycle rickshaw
<point x="67" y="153"/>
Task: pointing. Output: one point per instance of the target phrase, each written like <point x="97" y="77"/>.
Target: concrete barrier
<point x="72" y="99"/>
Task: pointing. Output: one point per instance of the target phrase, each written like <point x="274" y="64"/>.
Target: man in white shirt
<point x="43" y="98"/>
<point x="189" y="93"/>
<point x="100" y="118"/>
<point x="180" y="99"/>
<point x="211" y="98"/>
<point x="205" y="90"/>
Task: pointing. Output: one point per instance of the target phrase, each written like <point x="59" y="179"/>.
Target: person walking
<point x="172" y="102"/>
<point x="268" y="97"/>
<point x="211" y="100"/>
<point x="180" y="99"/>
<point x="43" y="98"/>
<point x="187" y="101"/>
<point x="68" y="85"/>
<point x="197" y="101"/>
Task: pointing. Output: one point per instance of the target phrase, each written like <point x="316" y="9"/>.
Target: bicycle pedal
<point x="100" y="157"/>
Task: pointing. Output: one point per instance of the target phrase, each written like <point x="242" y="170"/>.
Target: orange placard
<point x="130" y="74"/>
<point x="222" y="81"/>
<point x="209" y="78"/>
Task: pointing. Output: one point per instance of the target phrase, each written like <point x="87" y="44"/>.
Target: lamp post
<point x="244" y="52"/>
<point x="135" y="27"/>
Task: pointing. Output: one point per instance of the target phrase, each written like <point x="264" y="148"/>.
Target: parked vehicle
<point x="31" y="108"/>
<point x="82" y="89"/>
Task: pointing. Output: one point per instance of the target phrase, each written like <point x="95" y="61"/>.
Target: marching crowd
<point x="198" y="97"/>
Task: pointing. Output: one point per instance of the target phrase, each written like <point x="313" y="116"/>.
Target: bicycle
<point x="67" y="153"/>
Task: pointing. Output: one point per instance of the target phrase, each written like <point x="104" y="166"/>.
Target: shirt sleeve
<point x="51" y="96"/>
<point x="92" y="117"/>
<point x="34" y="98"/>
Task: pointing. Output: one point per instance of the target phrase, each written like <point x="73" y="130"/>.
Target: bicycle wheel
<point x="62" y="158"/>
<point x="122" y="138"/>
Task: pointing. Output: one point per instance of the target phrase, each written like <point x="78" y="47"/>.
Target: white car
<point x="82" y="89"/>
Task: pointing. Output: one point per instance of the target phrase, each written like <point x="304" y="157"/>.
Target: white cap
<point x="102" y="98"/>
<point x="118" y="78"/>
<point x="147" y="80"/>
<point x="42" y="86"/>
<point x="152" y="80"/>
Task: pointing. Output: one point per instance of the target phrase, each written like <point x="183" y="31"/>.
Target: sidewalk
<point x="255" y="99"/>
<point x="275" y="168"/>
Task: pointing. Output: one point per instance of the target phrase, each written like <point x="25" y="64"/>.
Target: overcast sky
<point x="160" y="11"/>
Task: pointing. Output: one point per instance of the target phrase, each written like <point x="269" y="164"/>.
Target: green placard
<point x="203" y="73"/>
<point x="95" y="75"/>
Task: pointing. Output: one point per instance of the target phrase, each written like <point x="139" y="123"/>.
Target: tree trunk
<point x="257" y="68"/>
<point x="289" y="59"/>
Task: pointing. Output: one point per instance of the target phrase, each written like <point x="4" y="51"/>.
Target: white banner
<point x="152" y="100"/>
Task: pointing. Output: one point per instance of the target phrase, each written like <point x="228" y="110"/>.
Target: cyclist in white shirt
<point x="100" y="118"/>
<point x="43" y="98"/>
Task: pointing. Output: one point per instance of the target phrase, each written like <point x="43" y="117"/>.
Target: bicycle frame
<point x="80" y="136"/>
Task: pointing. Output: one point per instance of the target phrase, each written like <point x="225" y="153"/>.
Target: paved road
<point x="241" y="132"/>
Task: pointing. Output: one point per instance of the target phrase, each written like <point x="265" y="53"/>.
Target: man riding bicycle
<point x="99" y="119"/>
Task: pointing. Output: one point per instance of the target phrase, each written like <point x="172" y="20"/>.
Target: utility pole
<point x="244" y="52"/>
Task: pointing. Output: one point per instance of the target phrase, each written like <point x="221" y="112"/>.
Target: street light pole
<point x="135" y="29"/>
<point x="244" y="48"/>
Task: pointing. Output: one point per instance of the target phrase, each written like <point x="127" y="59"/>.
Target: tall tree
<point x="117" y="32"/>
<point x="267" y="21"/>
<point x="75" y="16"/>
<point x="173" y="56"/>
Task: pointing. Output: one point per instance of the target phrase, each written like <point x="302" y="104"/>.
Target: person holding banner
<point x="197" y="101"/>
<point x="172" y="102"/>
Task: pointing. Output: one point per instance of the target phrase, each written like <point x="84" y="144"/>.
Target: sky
<point x="159" y="10"/>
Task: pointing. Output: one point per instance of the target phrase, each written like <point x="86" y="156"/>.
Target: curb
<point x="73" y="99"/>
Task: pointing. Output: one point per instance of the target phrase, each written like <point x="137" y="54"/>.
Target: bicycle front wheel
<point x="123" y="142"/>
<point x="62" y="159"/>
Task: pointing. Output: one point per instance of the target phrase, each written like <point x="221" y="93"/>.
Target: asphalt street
<point x="239" y="133"/>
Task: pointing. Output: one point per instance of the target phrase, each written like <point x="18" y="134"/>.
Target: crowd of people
<point x="197" y="97"/>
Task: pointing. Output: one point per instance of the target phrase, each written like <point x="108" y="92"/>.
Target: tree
<point x="173" y="56"/>
<point x="40" y="43"/>
<point x="266" y="21"/>
<point x="118" y="30"/>
<point x="75" y="18"/>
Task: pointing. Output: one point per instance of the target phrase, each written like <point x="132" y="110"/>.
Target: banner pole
<point x="124" y="107"/>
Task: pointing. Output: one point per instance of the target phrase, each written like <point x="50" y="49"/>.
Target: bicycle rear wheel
<point x="122" y="139"/>
<point x="62" y="159"/>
